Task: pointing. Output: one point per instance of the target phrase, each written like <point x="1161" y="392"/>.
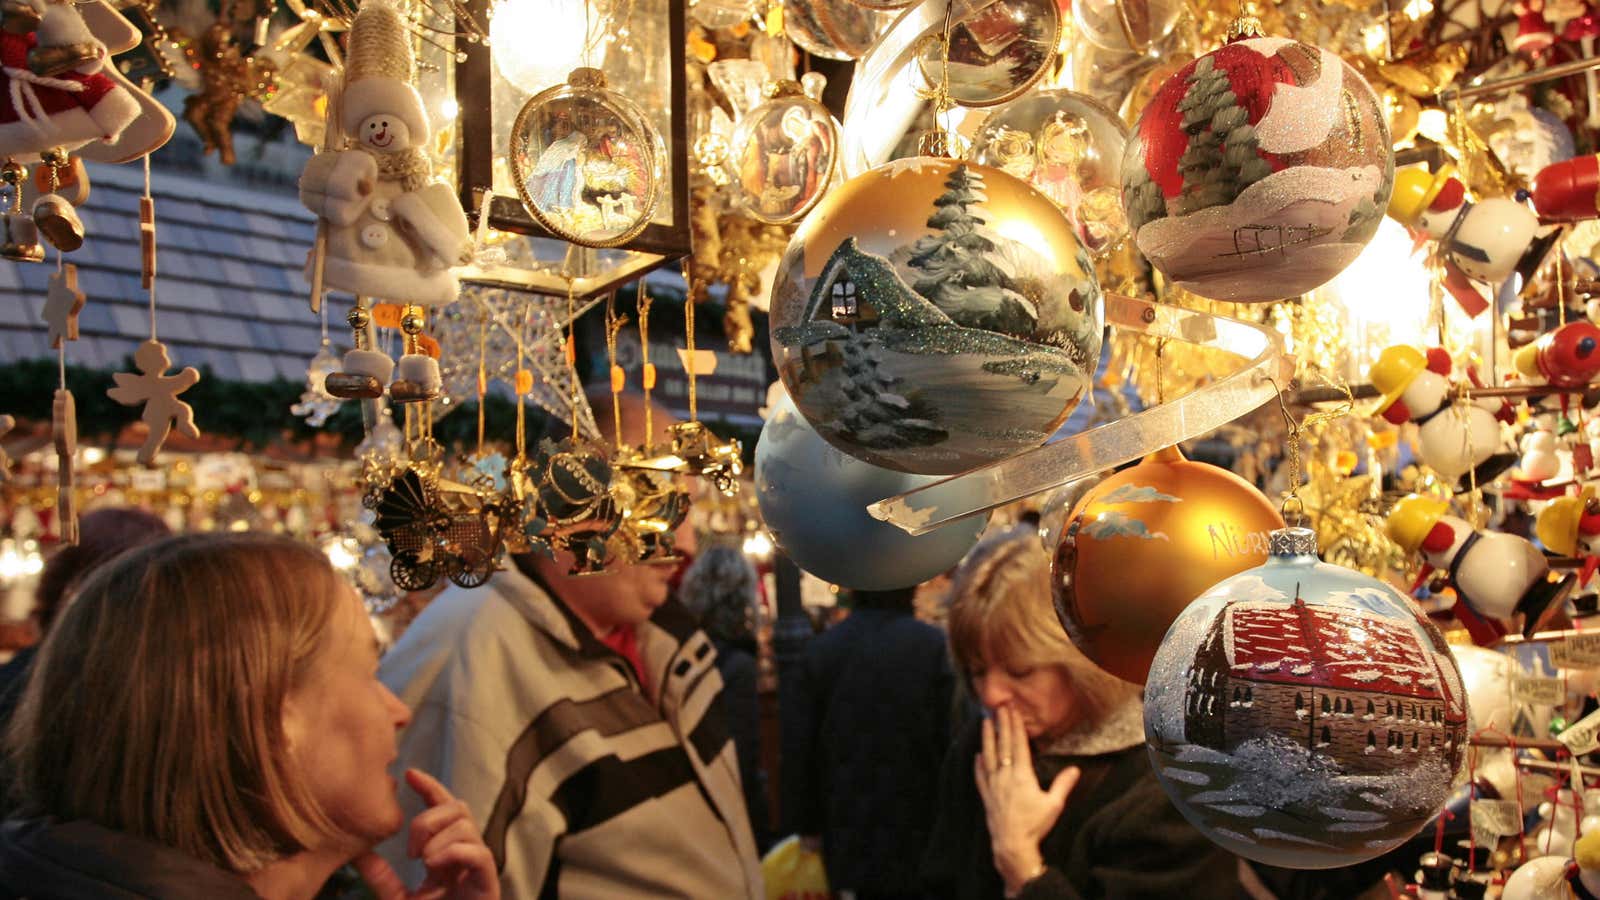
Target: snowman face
<point x="384" y="132"/>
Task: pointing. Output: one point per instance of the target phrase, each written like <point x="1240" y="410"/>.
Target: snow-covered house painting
<point x="1344" y="682"/>
<point x="950" y="338"/>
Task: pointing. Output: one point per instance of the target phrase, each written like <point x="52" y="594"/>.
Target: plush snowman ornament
<point x="393" y="232"/>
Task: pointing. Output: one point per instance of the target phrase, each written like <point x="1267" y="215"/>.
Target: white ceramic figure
<point x="1453" y="438"/>
<point x="1495" y="574"/>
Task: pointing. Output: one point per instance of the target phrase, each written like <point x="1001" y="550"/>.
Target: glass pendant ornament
<point x="586" y="161"/>
<point x="995" y="53"/>
<point x="832" y="29"/>
<point x="814" y="499"/>
<point x="1070" y="147"/>
<point x="788" y="150"/>
<point x="1305" y="715"/>
<point x="1258" y="171"/>
<point x="1129" y="25"/>
<point x="1144" y="543"/>
<point x="931" y="315"/>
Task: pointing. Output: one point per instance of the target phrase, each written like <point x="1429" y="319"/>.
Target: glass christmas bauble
<point x="1258" y="171"/>
<point x="1305" y="715"/>
<point x="813" y="499"/>
<point x="995" y="53"/>
<point x="1125" y="24"/>
<point x="788" y="150"/>
<point x="1144" y="543"/>
<point x="586" y="162"/>
<point x="1069" y="147"/>
<point x="832" y="29"/>
<point x="932" y="315"/>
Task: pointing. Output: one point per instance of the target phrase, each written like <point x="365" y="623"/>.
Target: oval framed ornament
<point x="586" y="162"/>
<point x="785" y="154"/>
<point x="995" y="52"/>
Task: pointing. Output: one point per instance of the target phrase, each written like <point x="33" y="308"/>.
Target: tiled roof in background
<point x="230" y="289"/>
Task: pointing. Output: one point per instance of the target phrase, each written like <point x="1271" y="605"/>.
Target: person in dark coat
<point x="1050" y="795"/>
<point x="861" y="751"/>
<point x="720" y="589"/>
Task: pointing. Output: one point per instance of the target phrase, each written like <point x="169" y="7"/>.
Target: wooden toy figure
<point x="1496" y="575"/>
<point x="159" y="392"/>
<point x="391" y="231"/>
<point x="1570" y="526"/>
<point x="1453" y="438"/>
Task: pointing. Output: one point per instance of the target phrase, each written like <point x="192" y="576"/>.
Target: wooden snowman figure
<point x="1453" y="438"/>
<point x="1567" y="358"/>
<point x="393" y="232"/>
<point x="1495" y="575"/>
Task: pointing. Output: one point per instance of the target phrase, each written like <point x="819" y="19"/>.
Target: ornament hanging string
<point x="688" y="327"/>
<point x="614" y="324"/>
<point x="482" y="383"/>
<point x="572" y="356"/>
<point x="150" y="203"/>
<point x="1293" y="444"/>
<point x="648" y="377"/>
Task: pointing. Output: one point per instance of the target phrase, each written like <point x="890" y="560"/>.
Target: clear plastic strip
<point x="1081" y="455"/>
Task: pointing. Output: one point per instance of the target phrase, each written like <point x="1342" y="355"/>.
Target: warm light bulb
<point x="339" y="553"/>
<point x="758" y="545"/>
<point x="537" y="43"/>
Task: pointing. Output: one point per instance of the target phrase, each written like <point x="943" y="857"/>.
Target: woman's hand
<point x="1019" y="813"/>
<point x="447" y="841"/>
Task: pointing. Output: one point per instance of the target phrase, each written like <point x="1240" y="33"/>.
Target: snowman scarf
<point x="409" y="166"/>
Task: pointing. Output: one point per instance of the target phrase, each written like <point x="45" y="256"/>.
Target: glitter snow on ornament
<point x="1258" y="171"/>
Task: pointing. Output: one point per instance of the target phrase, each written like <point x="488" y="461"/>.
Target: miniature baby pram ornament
<point x="392" y="231"/>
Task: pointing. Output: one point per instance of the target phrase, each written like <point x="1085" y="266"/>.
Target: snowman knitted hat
<point x="378" y="73"/>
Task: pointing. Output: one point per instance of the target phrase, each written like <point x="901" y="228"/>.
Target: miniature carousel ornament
<point x="1144" y="543"/>
<point x="1454" y="438"/>
<point x="813" y="500"/>
<point x="1258" y="171"/>
<point x="586" y="161"/>
<point x="1304" y="715"/>
<point x="932" y="315"/>
<point x="787" y="152"/>
<point x="388" y="229"/>
<point x="1496" y="575"/>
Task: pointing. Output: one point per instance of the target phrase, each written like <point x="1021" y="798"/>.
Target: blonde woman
<point x="205" y="721"/>
<point x="1050" y="796"/>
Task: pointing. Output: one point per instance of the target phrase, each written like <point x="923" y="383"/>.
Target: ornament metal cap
<point x="1292" y="542"/>
<point x="1244" y="28"/>
<point x="587" y="77"/>
<point x="783" y="87"/>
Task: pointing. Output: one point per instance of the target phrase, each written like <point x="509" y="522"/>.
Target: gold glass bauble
<point x="1143" y="544"/>
<point x="932" y="315"/>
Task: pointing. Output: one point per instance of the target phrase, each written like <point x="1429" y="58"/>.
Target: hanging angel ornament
<point x="158" y="391"/>
<point x="391" y="231"/>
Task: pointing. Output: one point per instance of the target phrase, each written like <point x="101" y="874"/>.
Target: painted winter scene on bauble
<point x="1304" y="716"/>
<point x="1258" y="171"/>
<point x="932" y="315"/>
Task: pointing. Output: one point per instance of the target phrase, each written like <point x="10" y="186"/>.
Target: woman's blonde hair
<point x="155" y="704"/>
<point x="1001" y="615"/>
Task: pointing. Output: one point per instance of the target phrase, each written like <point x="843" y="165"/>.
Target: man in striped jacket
<point x="580" y="720"/>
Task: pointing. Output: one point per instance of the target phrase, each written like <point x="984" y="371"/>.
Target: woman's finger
<point x="980" y="774"/>
<point x="1063" y="784"/>
<point x="1018" y="742"/>
<point x="380" y="877"/>
<point x="988" y="755"/>
<point x="430" y="822"/>
<point x="1002" y="736"/>
<point x="461" y="831"/>
<point x="474" y="861"/>
<point x="430" y="789"/>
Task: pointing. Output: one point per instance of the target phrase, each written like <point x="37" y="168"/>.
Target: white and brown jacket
<point x="587" y="788"/>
